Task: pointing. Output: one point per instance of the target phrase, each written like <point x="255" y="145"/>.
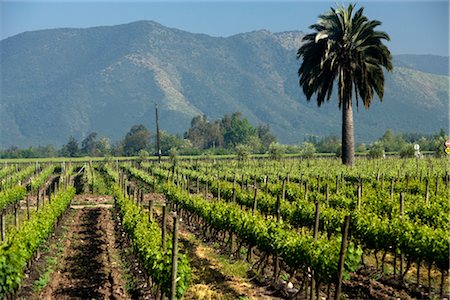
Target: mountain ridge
<point x="61" y="82"/>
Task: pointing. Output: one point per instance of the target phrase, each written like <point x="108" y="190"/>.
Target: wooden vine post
<point x="254" y="201"/>
<point x="92" y="175"/>
<point x="40" y="195"/>
<point x="316" y="221"/>
<point x="127" y="191"/>
<point x="345" y="226"/>
<point x="359" y="197"/>
<point x="28" y="206"/>
<point x="234" y="188"/>
<point x="436" y="186"/>
<point x="150" y="211"/>
<point x="316" y="233"/>
<point x="392" y="189"/>
<point x="402" y="216"/>
<point x="2" y="224"/>
<point x="234" y="194"/>
<point x="173" y="282"/>
<point x="267" y="184"/>
<point x="16" y="215"/>
<point x="163" y="227"/>
<point x="278" y="209"/>
<point x="276" y="260"/>
<point x="135" y="195"/>
<point x="361" y="184"/>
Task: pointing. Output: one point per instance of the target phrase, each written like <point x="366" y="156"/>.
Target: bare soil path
<point x="89" y="267"/>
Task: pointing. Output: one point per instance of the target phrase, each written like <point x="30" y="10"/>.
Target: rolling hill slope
<point x="62" y="82"/>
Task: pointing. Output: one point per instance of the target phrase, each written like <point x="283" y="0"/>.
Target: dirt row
<point x="88" y="268"/>
<point x="88" y="265"/>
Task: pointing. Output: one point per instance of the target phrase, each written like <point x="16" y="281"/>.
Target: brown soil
<point x="89" y="266"/>
<point x="87" y="199"/>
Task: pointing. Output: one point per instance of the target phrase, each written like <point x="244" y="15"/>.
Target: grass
<point x="232" y="269"/>
<point x="125" y="267"/>
<point x="237" y="268"/>
<point x="44" y="279"/>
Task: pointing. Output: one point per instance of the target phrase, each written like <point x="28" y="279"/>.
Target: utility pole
<point x="158" y="147"/>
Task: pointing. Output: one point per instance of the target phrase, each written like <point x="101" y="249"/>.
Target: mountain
<point x="61" y="82"/>
<point x="433" y="64"/>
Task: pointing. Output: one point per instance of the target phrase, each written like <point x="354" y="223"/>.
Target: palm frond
<point x="345" y="46"/>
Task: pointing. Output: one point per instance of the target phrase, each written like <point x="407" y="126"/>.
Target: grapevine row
<point x="297" y="250"/>
<point x="20" y="245"/>
<point x="417" y="241"/>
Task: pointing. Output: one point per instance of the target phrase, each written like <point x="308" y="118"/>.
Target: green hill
<point x="62" y="82"/>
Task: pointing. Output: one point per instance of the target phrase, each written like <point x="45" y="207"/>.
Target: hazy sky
<point x="418" y="27"/>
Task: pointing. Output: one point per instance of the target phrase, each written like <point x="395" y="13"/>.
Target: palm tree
<point x="345" y="46"/>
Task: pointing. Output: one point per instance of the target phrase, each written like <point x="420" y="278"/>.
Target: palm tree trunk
<point x="348" y="141"/>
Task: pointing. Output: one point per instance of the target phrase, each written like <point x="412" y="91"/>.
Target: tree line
<point x="219" y="137"/>
<point x="232" y="134"/>
<point x="390" y="142"/>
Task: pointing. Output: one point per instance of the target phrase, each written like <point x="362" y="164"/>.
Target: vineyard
<point x="221" y="228"/>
